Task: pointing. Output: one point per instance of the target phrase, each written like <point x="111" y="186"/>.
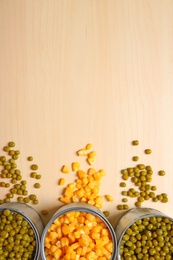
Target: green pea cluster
<point x="148" y="239"/>
<point x="17" y="238"/>
<point x="12" y="177"/>
<point x="141" y="176"/>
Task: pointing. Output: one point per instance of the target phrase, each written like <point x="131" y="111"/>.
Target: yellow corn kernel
<point x="95" y="190"/>
<point x="109" y="198"/>
<point x="57" y="253"/>
<point x="66" y="229"/>
<point x="75" y="166"/>
<point x="74" y="246"/>
<point x="84" y="181"/>
<point x="77" y="234"/>
<point x="62" y="181"/>
<point x="53" y="248"/>
<point x="90" y="160"/>
<point x="89" y="146"/>
<point x="81" y="174"/>
<point x="90" y="217"/>
<point x="68" y="250"/>
<point x="82" y="152"/>
<point x="74" y="198"/>
<point x="91" y="255"/>
<point x="91" y="202"/>
<point x="84" y="240"/>
<point x="104" y="232"/>
<point x="64" y="200"/>
<point x="92" y="154"/>
<point x="91" y="171"/>
<point x="80" y="193"/>
<point x="53" y="235"/>
<point x="102" y="172"/>
<point x="65" y="169"/>
<point x="64" y="241"/>
<point x="109" y="246"/>
<point x="83" y="199"/>
<point x="68" y="192"/>
<point x="97" y="175"/>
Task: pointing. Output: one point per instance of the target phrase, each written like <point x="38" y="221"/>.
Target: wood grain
<point x="74" y="72"/>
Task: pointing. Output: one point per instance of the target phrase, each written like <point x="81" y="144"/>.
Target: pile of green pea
<point x="148" y="239"/>
<point x="17" y="238"/>
<point x="12" y="177"/>
<point x="141" y="176"/>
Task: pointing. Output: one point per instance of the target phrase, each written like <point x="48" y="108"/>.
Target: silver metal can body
<point x="32" y="217"/>
<point x="129" y="218"/>
<point x="80" y="207"/>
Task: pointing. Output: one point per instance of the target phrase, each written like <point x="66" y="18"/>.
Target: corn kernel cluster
<point x="78" y="236"/>
<point x="87" y="185"/>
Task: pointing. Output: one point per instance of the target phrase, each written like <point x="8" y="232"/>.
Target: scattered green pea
<point x="122" y="184"/>
<point x="106" y="213"/>
<point x="161" y="173"/>
<point x="30" y="158"/>
<point x="148" y="151"/>
<point x="135" y="158"/>
<point x="11" y="144"/>
<point x="37" y="185"/>
<point x="34" y="167"/>
<point x="135" y="142"/>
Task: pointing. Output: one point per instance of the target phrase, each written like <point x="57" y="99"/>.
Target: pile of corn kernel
<point x="87" y="185"/>
<point x="78" y="235"/>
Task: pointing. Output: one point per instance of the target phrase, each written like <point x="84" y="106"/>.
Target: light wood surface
<point x="74" y="72"/>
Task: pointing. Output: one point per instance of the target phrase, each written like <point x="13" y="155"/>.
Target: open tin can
<point x="145" y="241"/>
<point x="32" y="218"/>
<point x="78" y="208"/>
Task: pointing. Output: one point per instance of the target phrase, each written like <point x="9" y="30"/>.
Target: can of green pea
<point x="21" y="228"/>
<point x="144" y="233"/>
<point x="78" y="231"/>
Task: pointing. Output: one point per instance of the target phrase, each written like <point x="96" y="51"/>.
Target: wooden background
<point x="74" y="72"/>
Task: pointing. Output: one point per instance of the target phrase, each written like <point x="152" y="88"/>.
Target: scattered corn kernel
<point x="82" y="152"/>
<point x="75" y="166"/>
<point x="89" y="146"/>
<point x="92" y="154"/>
<point x="62" y="181"/>
<point x="65" y="169"/>
<point x="90" y="160"/>
<point x="109" y="198"/>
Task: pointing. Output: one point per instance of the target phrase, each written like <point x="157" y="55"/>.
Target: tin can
<point x="79" y="207"/>
<point x="131" y="217"/>
<point x="32" y="217"/>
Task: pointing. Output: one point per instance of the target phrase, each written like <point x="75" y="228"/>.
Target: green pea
<point x="30" y="158"/>
<point x="122" y="184"/>
<point x="37" y="185"/>
<point x="34" y="167"/>
<point x="135" y="158"/>
<point x="161" y="173"/>
<point x="106" y="213"/>
<point x="148" y="151"/>
<point x="135" y="142"/>
<point x="11" y="144"/>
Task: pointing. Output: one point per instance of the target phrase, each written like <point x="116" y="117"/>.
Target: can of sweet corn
<point x="144" y="233"/>
<point x="78" y="231"/>
<point x="23" y="242"/>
